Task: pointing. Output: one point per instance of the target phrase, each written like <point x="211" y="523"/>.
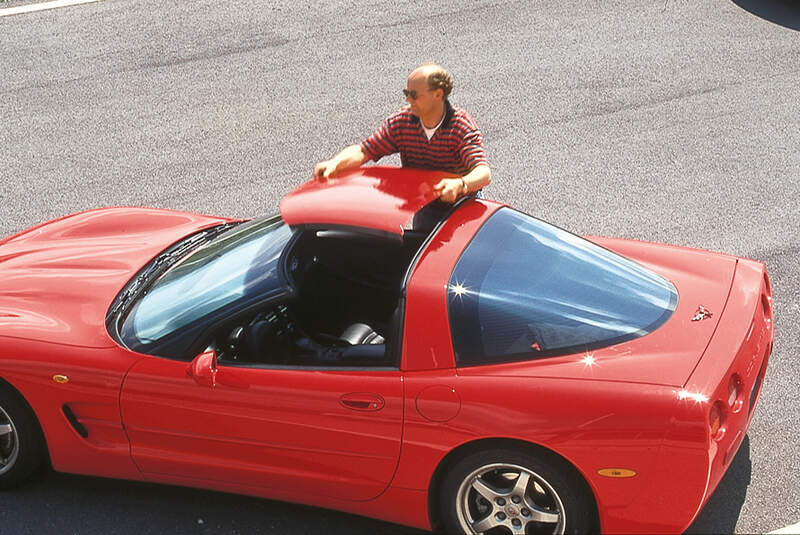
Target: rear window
<point x="524" y="289"/>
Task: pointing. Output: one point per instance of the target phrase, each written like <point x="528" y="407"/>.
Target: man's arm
<point x="349" y="158"/>
<point x="450" y="189"/>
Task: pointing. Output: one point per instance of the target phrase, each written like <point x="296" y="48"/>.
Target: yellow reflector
<point x="61" y="379"/>
<point x="616" y="472"/>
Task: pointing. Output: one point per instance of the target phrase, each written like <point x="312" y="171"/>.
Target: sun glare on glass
<point x="458" y="289"/>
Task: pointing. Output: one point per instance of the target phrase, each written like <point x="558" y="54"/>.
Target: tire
<point x="21" y="442"/>
<point x="507" y="491"/>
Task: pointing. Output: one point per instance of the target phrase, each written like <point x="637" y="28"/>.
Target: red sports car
<point x="466" y="367"/>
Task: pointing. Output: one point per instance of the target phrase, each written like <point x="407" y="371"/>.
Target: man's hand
<point x="449" y="189"/>
<point x="323" y="170"/>
<point x="349" y="158"/>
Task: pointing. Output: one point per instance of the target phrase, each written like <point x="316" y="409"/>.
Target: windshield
<point x="239" y="265"/>
<point x="524" y="289"/>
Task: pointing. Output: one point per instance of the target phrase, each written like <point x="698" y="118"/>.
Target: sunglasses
<point x="411" y="94"/>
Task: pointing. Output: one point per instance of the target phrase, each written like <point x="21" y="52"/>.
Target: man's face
<point x="426" y="100"/>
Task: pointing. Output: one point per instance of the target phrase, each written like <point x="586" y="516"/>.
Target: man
<point x="429" y="133"/>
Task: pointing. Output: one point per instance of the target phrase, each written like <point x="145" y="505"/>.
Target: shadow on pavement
<point x="783" y="12"/>
<point x="722" y="511"/>
<point x="57" y="504"/>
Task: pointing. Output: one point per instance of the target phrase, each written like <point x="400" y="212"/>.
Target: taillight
<point x="716" y="421"/>
<point x="735" y="401"/>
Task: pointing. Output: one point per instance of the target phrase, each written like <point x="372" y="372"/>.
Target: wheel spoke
<point x="485" y="524"/>
<point x="484" y="489"/>
<point x="545" y="517"/>
<point x="522" y="484"/>
<point x="5" y="429"/>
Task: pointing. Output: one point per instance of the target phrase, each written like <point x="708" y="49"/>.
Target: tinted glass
<point x="238" y="265"/>
<point x="524" y="289"/>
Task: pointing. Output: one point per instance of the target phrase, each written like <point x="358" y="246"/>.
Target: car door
<point x="332" y="432"/>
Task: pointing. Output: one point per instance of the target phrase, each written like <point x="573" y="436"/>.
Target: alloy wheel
<point x="508" y="498"/>
<point x="9" y="442"/>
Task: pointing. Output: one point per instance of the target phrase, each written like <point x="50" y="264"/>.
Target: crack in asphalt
<point x="470" y="10"/>
<point x="651" y="103"/>
<point x="274" y="42"/>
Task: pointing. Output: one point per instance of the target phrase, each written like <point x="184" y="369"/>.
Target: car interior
<point x="346" y="310"/>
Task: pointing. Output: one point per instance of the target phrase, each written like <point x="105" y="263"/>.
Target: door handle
<point x="362" y="401"/>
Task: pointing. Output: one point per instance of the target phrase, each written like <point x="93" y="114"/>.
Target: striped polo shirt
<point x="456" y="146"/>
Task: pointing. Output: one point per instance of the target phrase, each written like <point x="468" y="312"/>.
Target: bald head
<point x="435" y="77"/>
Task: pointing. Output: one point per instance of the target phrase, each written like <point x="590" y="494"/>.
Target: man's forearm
<point x="478" y="178"/>
<point x="349" y="158"/>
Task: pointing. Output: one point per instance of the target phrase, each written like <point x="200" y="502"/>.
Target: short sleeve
<point x="471" y="150"/>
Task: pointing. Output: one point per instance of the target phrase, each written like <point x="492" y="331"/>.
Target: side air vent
<point x="73" y="421"/>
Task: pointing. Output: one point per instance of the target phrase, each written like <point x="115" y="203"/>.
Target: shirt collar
<point x="448" y="114"/>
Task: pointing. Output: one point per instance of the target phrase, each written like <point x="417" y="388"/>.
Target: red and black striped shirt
<point x="456" y="146"/>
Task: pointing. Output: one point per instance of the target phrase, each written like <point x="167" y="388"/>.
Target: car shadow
<point x="722" y="510"/>
<point x="783" y="12"/>
<point x="89" y="505"/>
<point x="54" y="503"/>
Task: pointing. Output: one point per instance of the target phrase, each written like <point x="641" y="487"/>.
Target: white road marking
<point x="4" y="12"/>
<point x="794" y="529"/>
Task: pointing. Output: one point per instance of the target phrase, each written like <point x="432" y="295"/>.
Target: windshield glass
<point x="239" y="265"/>
<point x="524" y="289"/>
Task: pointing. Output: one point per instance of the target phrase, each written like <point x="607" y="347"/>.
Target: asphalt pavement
<point x="670" y="120"/>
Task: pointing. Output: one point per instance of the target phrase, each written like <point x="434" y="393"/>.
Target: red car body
<point x="627" y="417"/>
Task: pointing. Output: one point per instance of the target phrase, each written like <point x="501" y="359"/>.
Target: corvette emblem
<point x="701" y="314"/>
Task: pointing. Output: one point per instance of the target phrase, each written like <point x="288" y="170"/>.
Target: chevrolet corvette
<point x="465" y="368"/>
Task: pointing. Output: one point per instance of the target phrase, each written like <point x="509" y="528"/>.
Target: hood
<point x="668" y="355"/>
<point x="58" y="279"/>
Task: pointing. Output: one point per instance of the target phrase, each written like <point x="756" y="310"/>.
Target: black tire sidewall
<point x="29" y="439"/>
<point x="570" y="487"/>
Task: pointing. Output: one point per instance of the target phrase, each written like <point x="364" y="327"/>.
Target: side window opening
<point x="345" y="309"/>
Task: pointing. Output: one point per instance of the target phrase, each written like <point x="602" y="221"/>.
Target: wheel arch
<point x="497" y="443"/>
<point x="5" y="385"/>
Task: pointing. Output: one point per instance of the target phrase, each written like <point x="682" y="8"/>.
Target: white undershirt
<point x="430" y="131"/>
